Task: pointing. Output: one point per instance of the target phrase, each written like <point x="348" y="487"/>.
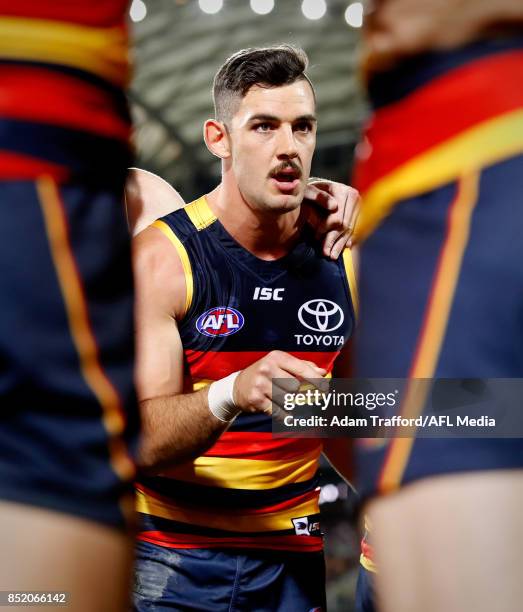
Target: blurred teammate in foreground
<point x="229" y="514"/>
<point x="68" y="418"/>
<point x="441" y="176"/>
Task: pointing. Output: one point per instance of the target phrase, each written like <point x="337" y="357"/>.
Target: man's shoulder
<point x="159" y="269"/>
<point x="188" y="221"/>
<point x="153" y="252"/>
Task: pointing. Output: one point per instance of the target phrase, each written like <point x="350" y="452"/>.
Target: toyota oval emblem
<point x="321" y="315"/>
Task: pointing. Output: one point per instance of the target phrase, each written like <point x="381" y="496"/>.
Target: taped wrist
<point x="221" y="399"/>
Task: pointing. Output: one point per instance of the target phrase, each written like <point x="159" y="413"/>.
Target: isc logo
<point x="220" y="321"/>
<point x="266" y="293"/>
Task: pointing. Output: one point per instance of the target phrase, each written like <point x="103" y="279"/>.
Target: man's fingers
<point x="340" y="246"/>
<point x="282" y="384"/>
<point x="279" y="396"/>
<point x="285" y="382"/>
<point x="331" y="228"/>
<point x="305" y="371"/>
<point x="339" y="225"/>
<point x="343" y="241"/>
<point x="353" y="212"/>
<point x="329" y="241"/>
<point x="322" y="384"/>
<point x="321" y="197"/>
<point x="335" y="241"/>
<point x="341" y="202"/>
<point x="351" y="209"/>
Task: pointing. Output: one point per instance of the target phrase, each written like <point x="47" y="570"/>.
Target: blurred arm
<point x="147" y="198"/>
<point x="394" y="29"/>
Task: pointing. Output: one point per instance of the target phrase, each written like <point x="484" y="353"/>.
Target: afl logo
<point x="321" y="315"/>
<point x="220" y="321"/>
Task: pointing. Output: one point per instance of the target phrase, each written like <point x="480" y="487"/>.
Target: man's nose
<point x="287" y="148"/>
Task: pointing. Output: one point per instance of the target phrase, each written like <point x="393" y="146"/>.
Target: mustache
<point x="285" y="166"/>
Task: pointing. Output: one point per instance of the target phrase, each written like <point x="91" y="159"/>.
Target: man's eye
<point x="303" y="127"/>
<point x="263" y="127"/>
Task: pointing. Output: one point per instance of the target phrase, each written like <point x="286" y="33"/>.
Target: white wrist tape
<point x="221" y="399"/>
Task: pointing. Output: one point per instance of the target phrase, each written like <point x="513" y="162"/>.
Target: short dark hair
<point x="264" y="66"/>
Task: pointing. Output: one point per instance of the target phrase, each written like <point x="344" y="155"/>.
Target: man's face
<point x="273" y="135"/>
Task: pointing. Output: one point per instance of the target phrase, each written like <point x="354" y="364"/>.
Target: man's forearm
<point x="176" y="428"/>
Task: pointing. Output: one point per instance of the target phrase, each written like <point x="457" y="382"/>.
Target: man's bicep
<point x="159" y="358"/>
<point x="159" y="292"/>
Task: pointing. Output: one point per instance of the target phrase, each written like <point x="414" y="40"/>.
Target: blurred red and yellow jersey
<point x="63" y="70"/>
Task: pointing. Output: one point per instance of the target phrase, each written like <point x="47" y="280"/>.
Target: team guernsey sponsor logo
<point x="268" y="293"/>
<point x="220" y="321"/>
<point x="322" y="316"/>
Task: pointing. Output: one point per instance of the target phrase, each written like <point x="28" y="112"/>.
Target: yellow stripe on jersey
<point x="482" y="145"/>
<point x="351" y="277"/>
<point x="368" y="564"/>
<point x="112" y="415"/>
<point x="200" y="383"/>
<point x="252" y="474"/>
<point x="184" y="258"/>
<point x="434" y="326"/>
<point x="102" y="51"/>
<point x="200" y="213"/>
<point x="231" y="521"/>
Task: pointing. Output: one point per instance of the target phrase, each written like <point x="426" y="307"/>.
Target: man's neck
<point x="265" y="234"/>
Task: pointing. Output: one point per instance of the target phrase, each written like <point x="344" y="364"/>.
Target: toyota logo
<point x="321" y="315"/>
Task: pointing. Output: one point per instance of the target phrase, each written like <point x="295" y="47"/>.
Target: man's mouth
<point x="286" y="179"/>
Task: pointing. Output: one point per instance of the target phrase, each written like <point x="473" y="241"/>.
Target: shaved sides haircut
<point x="262" y="66"/>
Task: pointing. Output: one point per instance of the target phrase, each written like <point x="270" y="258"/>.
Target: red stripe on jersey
<point x="280" y="506"/>
<point x="215" y="365"/>
<point x="436" y="112"/>
<point x="103" y="13"/>
<point x="367" y="550"/>
<point x="260" y="445"/>
<point x="282" y="542"/>
<point x="285" y="505"/>
<point x="14" y="166"/>
<point x="44" y="96"/>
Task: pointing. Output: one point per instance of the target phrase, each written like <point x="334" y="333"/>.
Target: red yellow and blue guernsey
<point x="438" y="169"/>
<point x="63" y="69"/>
<point x="436" y="118"/>
<point x="249" y="490"/>
<point x="67" y="375"/>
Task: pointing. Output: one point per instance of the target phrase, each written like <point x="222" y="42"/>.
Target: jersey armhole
<point x="184" y="258"/>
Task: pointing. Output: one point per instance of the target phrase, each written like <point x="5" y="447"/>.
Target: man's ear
<point x="217" y="138"/>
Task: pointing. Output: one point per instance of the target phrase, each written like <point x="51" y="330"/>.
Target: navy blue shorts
<point x="228" y="581"/>
<point x="441" y="285"/>
<point x="69" y="418"/>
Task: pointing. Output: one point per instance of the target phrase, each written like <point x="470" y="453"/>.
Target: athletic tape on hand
<point x="221" y="399"/>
